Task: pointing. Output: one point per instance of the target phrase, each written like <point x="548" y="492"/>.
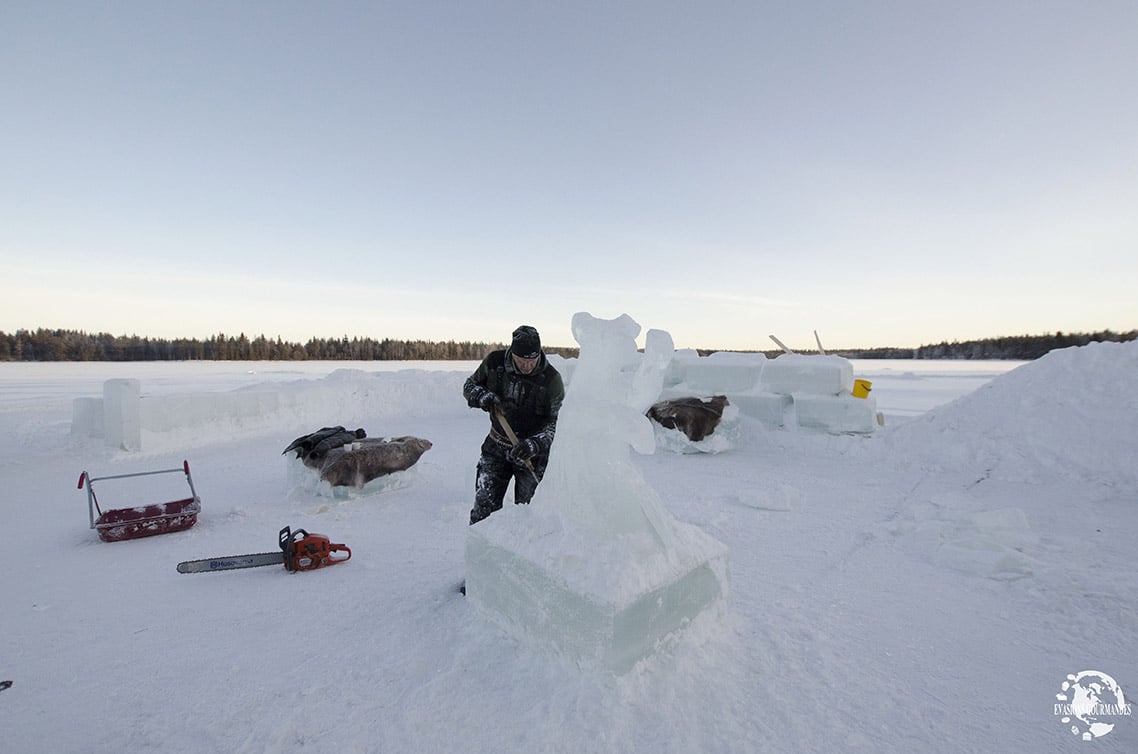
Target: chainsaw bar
<point x="231" y="562"/>
<point x="300" y="551"/>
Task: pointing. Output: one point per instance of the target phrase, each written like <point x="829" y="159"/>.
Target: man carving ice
<point x="522" y="392"/>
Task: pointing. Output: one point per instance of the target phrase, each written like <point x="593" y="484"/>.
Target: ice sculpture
<point x="595" y="568"/>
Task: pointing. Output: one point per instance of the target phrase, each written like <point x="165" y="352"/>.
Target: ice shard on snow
<point x="596" y="568"/>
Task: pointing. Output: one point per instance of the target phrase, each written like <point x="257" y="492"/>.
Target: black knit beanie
<point x="526" y="343"/>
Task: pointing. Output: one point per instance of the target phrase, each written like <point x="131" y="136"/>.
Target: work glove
<point x="523" y="450"/>
<point x="488" y="400"/>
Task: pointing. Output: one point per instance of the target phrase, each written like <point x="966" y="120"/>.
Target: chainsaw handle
<point x="306" y="552"/>
<point x="332" y="547"/>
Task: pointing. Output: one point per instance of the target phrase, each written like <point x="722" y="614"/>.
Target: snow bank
<point x="351" y="397"/>
<point x="1072" y="413"/>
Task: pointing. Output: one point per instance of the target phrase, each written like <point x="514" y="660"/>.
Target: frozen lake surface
<point x="986" y="531"/>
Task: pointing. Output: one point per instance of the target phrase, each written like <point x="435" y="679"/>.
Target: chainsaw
<point x="300" y="551"/>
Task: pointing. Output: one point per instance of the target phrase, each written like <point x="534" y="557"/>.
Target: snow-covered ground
<point x="926" y="588"/>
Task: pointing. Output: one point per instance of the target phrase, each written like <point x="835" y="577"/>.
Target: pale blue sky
<point x="887" y="173"/>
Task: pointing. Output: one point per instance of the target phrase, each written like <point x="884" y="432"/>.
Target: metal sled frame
<point x="118" y="524"/>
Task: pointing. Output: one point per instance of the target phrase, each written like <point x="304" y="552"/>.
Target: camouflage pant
<point x="494" y="474"/>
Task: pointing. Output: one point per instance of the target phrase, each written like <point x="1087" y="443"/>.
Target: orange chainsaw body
<point x="304" y="551"/>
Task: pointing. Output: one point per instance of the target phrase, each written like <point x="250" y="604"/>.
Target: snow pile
<point x="1071" y="414"/>
<point x="1069" y="417"/>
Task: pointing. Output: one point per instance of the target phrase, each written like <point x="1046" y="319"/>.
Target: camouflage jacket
<point x="530" y="402"/>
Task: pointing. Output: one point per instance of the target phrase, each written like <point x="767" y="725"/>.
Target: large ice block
<point x="802" y="373"/>
<point x="836" y="413"/>
<point x="603" y="604"/>
<point x="87" y="417"/>
<point x="720" y="372"/>
<point x="770" y="409"/>
<point x="122" y="414"/>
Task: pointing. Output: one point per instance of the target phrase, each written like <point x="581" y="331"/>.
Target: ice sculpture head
<point x="607" y="348"/>
<point x="599" y="414"/>
<point x="591" y="479"/>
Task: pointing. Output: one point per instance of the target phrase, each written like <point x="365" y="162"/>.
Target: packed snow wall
<point x="128" y="419"/>
<point x="792" y="391"/>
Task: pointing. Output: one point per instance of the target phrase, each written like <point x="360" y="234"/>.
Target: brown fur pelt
<point x="358" y="463"/>
<point x="695" y="417"/>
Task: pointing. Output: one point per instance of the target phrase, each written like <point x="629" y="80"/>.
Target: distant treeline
<point x="72" y="345"/>
<point x="1008" y="348"/>
<point x="1016" y="347"/>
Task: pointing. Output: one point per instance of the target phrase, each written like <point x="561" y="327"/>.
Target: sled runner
<point x="117" y="524"/>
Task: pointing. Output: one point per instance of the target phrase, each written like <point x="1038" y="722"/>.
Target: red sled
<point x="118" y="524"/>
